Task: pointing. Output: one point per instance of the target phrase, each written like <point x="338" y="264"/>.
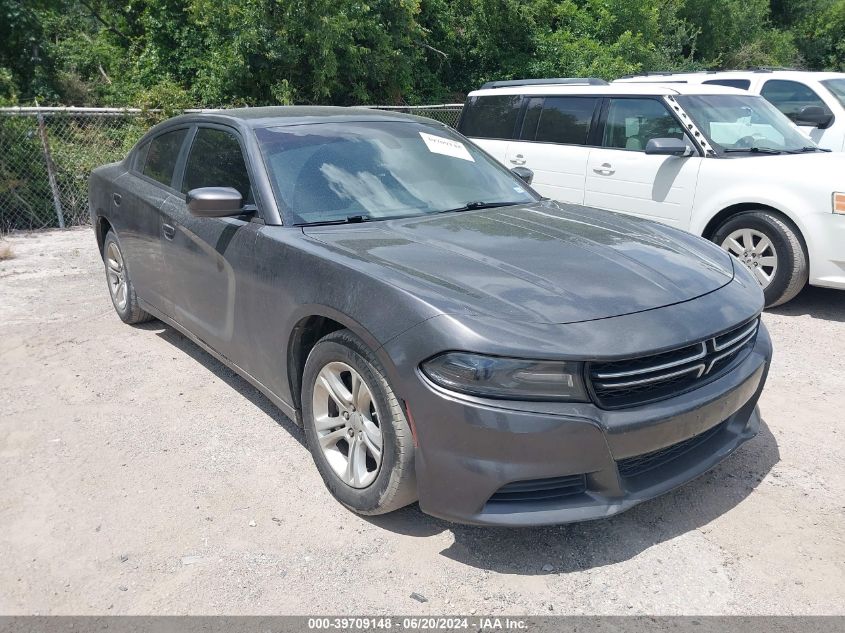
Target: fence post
<point x="51" y="170"/>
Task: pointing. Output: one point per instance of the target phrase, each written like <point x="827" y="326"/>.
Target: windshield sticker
<point x="518" y="189"/>
<point x="446" y="146"/>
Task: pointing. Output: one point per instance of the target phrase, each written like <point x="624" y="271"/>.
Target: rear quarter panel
<point x="100" y="189"/>
<point x="136" y="222"/>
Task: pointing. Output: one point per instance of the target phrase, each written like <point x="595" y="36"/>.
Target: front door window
<point x="216" y="160"/>
<point x="632" y="123"/>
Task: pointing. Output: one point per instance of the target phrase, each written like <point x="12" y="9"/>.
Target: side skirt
<point x="286" y="408"/>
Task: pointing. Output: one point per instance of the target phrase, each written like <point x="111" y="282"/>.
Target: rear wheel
<point x="769" y="246"/>
<point x="121" y="290"/>
<point x="355" y="428"/>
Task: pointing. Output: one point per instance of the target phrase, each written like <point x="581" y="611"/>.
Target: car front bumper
<point x="469" y="449"/>
<point x="827" y="253"/>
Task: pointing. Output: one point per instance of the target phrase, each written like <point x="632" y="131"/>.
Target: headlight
<point x="508" y="378"/>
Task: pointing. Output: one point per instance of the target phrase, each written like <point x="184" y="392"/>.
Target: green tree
<point x="818" y="31"/>
<point x="171" y="53"/>
<point x="739" y="34"/>
<point x="609" y="38"/>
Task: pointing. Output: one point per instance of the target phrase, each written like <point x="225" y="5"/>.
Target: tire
<point x="363" y="489"/>
<point x="121" y="290"/>
<point x="791" y="270"/>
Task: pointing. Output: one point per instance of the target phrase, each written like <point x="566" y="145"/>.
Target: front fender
<point x="781" y="199"/>
<point x="297" y="279"/>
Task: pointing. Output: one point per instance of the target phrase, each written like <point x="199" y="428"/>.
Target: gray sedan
<point x="441" y="332"/>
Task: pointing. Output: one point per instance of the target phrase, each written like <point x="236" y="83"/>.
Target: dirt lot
<point x="141" y="476"/>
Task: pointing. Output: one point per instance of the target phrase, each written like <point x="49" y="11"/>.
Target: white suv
<point x="716" y="161"/>
<point x="815" y="101"/>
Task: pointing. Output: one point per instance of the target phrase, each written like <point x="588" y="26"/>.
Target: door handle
<point x="116" y="197"/>
<point x="519" y="159"/>
<point x="169" y="231"/>
<point x="606" y="169"/>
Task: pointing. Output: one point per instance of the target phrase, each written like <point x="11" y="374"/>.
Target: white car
<point x="815" y="101"/>
<point x="715" y="161"/>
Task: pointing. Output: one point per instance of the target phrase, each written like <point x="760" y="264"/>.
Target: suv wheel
<point x="771" y="249"/>
<point x="355" y="428"/>
<point x="121" y="290"/>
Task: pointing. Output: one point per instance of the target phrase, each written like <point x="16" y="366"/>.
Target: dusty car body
<point x="652" y="334"/>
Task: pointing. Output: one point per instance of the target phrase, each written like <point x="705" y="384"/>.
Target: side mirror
<point x="815" y="116"/>
<point x="523" y="173"/>
<point x="214" y="202"/>
<point x="668" y="147"/>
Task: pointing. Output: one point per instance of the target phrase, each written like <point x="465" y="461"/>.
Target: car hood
<point x="826" y="167"/>
<point x="544" y="263"/>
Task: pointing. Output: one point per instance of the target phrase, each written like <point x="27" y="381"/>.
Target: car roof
<point x="273" y="116"/>
<point x="706" y="75"/>
<point x="616" y="89"/>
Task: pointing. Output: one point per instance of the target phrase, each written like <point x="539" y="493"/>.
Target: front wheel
<point x="769" y="246"/>
<point x="355" y="428"/>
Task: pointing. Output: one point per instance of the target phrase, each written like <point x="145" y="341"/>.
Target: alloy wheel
<point x="756" y="251"/>
<point x="347" y="424"/>
<point x="116" y="275"/>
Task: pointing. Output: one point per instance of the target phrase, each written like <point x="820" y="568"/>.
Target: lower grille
<point x="540" y="489"/>
<point x="639" y="464"/>
<point x="645" y="379"/>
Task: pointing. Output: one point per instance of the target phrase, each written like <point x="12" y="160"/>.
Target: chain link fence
<point x="447" y="113"/>
<point x="46" y="155"/>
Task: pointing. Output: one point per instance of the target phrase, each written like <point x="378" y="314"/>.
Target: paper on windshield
<point x="446" y="146"/>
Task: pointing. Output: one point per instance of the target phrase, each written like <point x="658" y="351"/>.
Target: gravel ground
<point x="140" y="476"/>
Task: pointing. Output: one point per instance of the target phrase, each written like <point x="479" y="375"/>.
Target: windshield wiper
<point x="350" y="219"/>
<point x="753" y="150"/>
<point x="473" y="206"/>
<point x="807" y="148"/>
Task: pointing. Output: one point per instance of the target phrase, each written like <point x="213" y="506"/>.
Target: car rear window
<point x="490" y="117"/>
<point x="163" y="154"/>
<point x="566" y="120"/>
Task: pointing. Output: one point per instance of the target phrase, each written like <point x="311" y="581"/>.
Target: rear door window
<point x="216" y="160"/>
<point x="163" y="154"/>
<point x="490" y="116"/>
<point x="566" y="120"/>
<point x="140" y="157"/>
<point x="790" y="96"/>
<point x="533" y="109"/>
<point x="632" y="123"/>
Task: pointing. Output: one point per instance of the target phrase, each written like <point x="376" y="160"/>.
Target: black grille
<point x="540" y="489"/>
<point x="635" y="381"/>
<point x="639" y="464"/>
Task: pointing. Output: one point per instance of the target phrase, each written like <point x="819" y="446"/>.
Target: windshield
<point x="836" y="88"/>
<point x="744" y="123"/>
<point x="358" y="171"/>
